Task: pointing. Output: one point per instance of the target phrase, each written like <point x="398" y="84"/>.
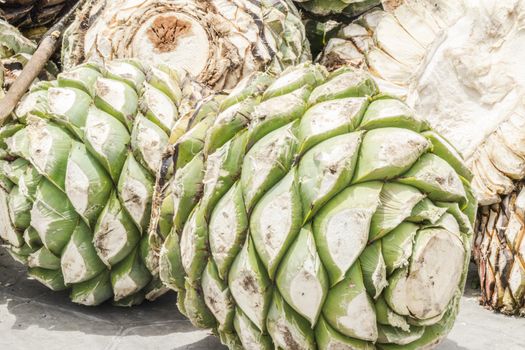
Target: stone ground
<point x="33" y="317"/>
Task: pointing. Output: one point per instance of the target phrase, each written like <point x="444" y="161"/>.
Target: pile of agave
<point x="194" y="146"/>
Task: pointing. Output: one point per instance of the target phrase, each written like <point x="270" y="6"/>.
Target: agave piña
<point x="313" y="212"/>
<point x="77" y="168"/>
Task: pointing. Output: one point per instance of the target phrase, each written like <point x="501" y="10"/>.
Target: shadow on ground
<point x="35" y="305"/>
<point x="28" y="304"/>
<point x="33" y="317"/>
<point x="448" y="344"/>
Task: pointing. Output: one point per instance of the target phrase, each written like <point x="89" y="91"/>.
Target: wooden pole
<point x="40" y="58"/>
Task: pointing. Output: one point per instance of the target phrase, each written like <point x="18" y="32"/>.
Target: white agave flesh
<point x="302" y="279"/>
<point x="491" y="176"/>
<point x="193" y="48"/>
<point x="442" y="11"/>
<point x="387" y="67"/>
<point x="372" y="19"/>
<point x="248" y="286"/>
<point x="471" y="85"/>
<point x="136" y="197"/>
<point x="188" y="243"/>
<point x="339" y="50"/>
<point x="227" y="227"/>
<point x="395" y="41"/>
<point x="475" y="63"/>
<point x="217" y="298"/>
<point x="61" y="100"/>
<point x="504" y="159"/>
<point x="223" y="230"/>
<point x="77" y="187"/>
<point x="285" y="328"/>
<point x="510" y="133"/>
<point x="415" y="25"/>
<point x="151" y="142"/>
<point x="274" y="221"/>
<point x="124" y="286"/>
<point x="41" y="143"/>
<point x="359" y="35"/>
<point x="161" y="106"/>
<point x="249" y="335"/>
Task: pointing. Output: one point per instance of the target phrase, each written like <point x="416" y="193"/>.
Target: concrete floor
<point x="33" y="317"/>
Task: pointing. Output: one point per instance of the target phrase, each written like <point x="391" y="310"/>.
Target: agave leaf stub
<point x="249" y="335"/>
<point x="43" y="258"/>
<point x="349" y="308"/>
<point x="350" y="211"/>
<point x="326" y="169"/>
<point x="388" y="152"/>
<point x="87" y="185"/>
<point x="80" y="262"/>
<point x="194" y="37"/>
<point x="330" y="118"/>
<point x="267" y="162"/>
<point x="250" y="285"/>
<point x="77" y="170"/>
<point x="302" y="280"/>
<point x="508" y="215"/>
<point x="333" y="228"/>
<point x="328" y="338"/>
<point x="228" y="229"/>
<point x="171" y="271"/>
<point x="286" y="329"/>
<point x="218" y="297"/>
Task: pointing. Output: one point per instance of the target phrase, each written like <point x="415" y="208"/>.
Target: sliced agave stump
<point x="434" y="54"/>
<point x="77" y="169"/>
<point x="218" y="42"/>
<point x="313" y="212"/>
